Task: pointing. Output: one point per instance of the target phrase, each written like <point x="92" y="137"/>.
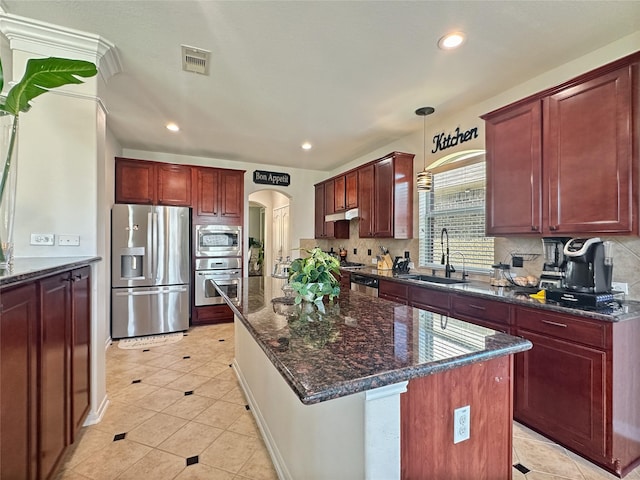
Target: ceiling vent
<point x="195" y="60"/>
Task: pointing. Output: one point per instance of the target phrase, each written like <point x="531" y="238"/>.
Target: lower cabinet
<point x="395" y="291"/>
<point x="45" y="371"/>
<point x="211" y="314"/>
<point x="480" y="311"/>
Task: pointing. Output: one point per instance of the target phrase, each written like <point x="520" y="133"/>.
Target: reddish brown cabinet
<point x="218" y="196"/>
<point x="395" y="291"/>
<point x="18" y="382"/>
<point x="385" y="197"/>
<point x="544" y="154"/>
<point x="324" y="203"/>
<point x="152" y="183"/>
<point x="346" y="191"/>
<point x="45" y="330"/>
<point x="429" y="299"/>
<point x="481" y="311"/>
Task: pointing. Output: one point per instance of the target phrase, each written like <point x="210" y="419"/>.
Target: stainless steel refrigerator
<point x="150" y="270"/>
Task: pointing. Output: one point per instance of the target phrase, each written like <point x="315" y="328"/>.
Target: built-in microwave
<point x="218" y="241"/>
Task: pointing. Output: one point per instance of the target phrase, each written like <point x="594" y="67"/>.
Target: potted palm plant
<point x="40" y="76"/>
<point x="314" y="277"/>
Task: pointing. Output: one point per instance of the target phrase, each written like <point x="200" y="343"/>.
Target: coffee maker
<point x="589" y="265"/>
<point x="555" y="262"/>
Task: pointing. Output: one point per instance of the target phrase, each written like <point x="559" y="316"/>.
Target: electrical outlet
<point x="462" y="424"/>
<point x="374" y="261"/>
<point x="42" y="238"/>
<point x="620" y="287"/>
<point x="68" y="240"/>
<point x="369" y="251"/>
<point x="355" y="251"/>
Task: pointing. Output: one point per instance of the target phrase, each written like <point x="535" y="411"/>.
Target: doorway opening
<point x="268" y="231"/>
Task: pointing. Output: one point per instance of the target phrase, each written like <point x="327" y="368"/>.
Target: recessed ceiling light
<point x="172" y="127"/>
<point x="306" y="146"/>
<point x="451" y="41"/>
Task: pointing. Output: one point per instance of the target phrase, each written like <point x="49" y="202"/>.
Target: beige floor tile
<point x="200" y="471"/>
<point x="235" y="395"/>
<point x="134" y="392"/>
<point x="121" y="417"/>
<point x="590" y="471"/>
<point x="90" y="441"/>
<point x="156" y="465"/>
<point x="216" y="388"/>
<point x="245" y="425"/>
<point x="192" y="439"/>
<point x="187" y="382"/>
<point x="186" y="365"/>
<point x="518" y="475"/>
<point x="545" y="458"/>
<point x="211" y="369"/>
<point x="189" y="406"/>
<point x="259" y="466"/>
<point x="163" y="360"/>
<point x="160" y="399"/>
<point x="521" y="431"/>
<point x="112" y="460"/>
<point x="221" y="414"/>
<point x="230" y="451"/>
<point x="156" y="429"/>
<point x="163" y="377"/>
<point x="70" y="475"/>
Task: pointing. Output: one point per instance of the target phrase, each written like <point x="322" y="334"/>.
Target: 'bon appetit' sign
<point x="271" y="178"/>
<point x="442" y="141"/>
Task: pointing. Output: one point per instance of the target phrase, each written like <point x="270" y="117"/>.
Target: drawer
<point x="426" y="297"/>
<point x="393" y="290"/>
<point x="567" y="327"/>
<point x="473" y="307"/>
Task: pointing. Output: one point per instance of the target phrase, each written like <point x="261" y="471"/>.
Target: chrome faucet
<point x="445" y="256"/>
<point x="464" y="269"/>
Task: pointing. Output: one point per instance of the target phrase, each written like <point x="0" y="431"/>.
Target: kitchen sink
<point x="430" y="278"/>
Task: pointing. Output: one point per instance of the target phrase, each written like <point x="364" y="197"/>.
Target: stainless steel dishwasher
<point x="364" y="284"/>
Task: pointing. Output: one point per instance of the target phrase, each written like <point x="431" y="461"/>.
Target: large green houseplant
<point x="315" y="276"/>
<point x="40" y="76"/>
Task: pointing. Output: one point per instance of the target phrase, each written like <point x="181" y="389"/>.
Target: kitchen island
<point x="369" y="389"/>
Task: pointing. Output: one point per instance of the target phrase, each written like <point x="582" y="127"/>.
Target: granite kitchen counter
<point x="31" y="268"/>
<point x="620" y="311"/>
<point x="361" y="343"/>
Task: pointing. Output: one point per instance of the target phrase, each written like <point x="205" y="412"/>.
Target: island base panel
<point x="427" y="447"/>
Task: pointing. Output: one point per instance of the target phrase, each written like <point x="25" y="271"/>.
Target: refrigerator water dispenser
<point x="132" y="263"/>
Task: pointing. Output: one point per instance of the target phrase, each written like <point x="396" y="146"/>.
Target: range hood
<point x="346" y="215"/>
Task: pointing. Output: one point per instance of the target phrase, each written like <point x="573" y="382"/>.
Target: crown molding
<point x="50" y="40"/>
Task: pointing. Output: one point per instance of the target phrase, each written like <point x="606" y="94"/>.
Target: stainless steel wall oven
<point x="226" y="272"/>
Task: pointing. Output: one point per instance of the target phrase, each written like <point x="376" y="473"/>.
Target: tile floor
<point x="177" y="412"/>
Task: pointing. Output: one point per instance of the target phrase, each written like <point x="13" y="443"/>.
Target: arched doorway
<point x="273" y="208"/>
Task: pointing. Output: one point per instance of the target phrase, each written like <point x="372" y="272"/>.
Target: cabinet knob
<point x="553" y="228"/>
<point x="535" y="228"/>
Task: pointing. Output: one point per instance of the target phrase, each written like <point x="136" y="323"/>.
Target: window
<point x="456" y="202"/>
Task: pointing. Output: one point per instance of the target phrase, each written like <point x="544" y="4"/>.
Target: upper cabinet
<point x="385" y="197"/>
<point x="325" y="205"/>
<point x="563" y="162"/>
<point x="346" y="191"/>
<point x="152" y="183"/>
<point x="218" y="196"/>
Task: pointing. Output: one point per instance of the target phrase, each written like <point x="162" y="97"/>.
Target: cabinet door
<point x="395" y="291"/>
<point x="80" y="348"/>
<point x="561" y="390"/>
<point x="351" y="190"/>
<point x="174" y="185"/>
<point x="18" y="382"/>
<point x="135" y="181"/>
<point x="365" y="201"/>
<point x="339" y="194"/>
<point x="514" y="165"/>
<point x="206" y="198"/>
<point x="319" y="211"/>
<point x="231" y="196"/>
<point x="588" y="156"/>
<point x="54" y="317"/>
<point x="384" y="181"/>
<point x="429" y="299"/>
<point x="329" y="189"/>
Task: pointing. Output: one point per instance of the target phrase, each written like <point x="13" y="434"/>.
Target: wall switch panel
<point x="68" y="240"/>
<point x="461" y="424"/>
<point x="620" y="287"/>
<point x="42" y="238"/>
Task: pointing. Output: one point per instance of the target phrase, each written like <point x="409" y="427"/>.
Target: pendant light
<point x="425" y="177"/>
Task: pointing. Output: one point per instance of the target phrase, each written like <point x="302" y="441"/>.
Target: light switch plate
<point x="68" y="240"/>
<point x="42" y="238"/>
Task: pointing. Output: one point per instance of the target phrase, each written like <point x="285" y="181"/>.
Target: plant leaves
<point x="43" y="74"/>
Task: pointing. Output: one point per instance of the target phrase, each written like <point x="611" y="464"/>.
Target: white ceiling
<point x="344" y="75"/>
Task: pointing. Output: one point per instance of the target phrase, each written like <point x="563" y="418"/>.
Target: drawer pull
<point x="555" y="324"/>
<point x="477" y="307"/>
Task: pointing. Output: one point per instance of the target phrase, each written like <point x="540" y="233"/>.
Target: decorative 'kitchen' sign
<point x="271" y="178"/>
<point x="442" y="143"/>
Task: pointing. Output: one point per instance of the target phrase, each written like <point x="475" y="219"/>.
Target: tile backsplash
<point x="626" y="253"/>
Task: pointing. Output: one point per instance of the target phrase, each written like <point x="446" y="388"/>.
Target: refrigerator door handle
<point x="156" y="291"/>
<point x="155" y="247"/>
<point x="150" y="255"/>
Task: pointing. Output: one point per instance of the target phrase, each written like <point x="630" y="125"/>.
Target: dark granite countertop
<point x="31" y="268"/>
<point x="622" y="310"/>
<point x="362" y="342"/>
